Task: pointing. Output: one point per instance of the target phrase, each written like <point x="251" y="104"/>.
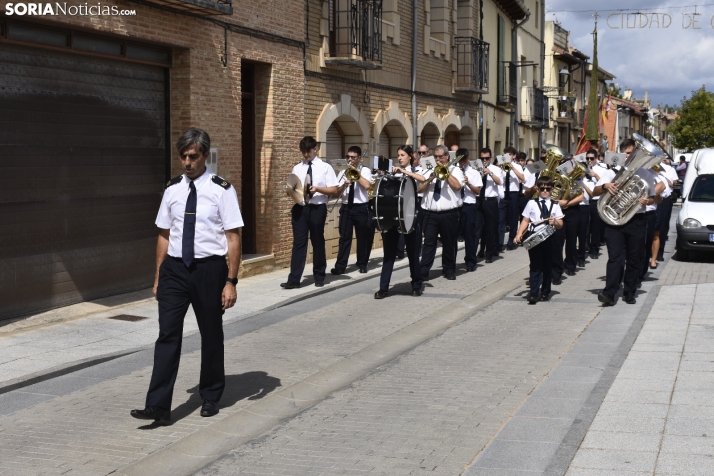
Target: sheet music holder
<point x="427" y="163"/>
<point x="477" y="164"/>
<point x="382" y="163"/>
<point x="615" y="158"/>
<point x="536" y="167"/>
<point x="566" y="167"/>
<point x="582" y="158"/>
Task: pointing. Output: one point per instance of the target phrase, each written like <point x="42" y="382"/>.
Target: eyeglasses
<point x="439" y="156"/>
<point x="351" y="156"/>
<point x="545" y="189"/>
<point x="592" y="158"/>
<point x="423" y="152"/>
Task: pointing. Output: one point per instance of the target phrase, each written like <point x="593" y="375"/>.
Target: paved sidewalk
<point x="74" y="336"/>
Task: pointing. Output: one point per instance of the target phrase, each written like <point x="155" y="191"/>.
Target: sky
<point x="668" y="62"/>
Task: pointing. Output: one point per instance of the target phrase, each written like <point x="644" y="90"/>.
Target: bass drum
<point x="395" y="203"/>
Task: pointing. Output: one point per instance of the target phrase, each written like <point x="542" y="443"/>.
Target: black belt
<point x="470" y="204"/>
<point x="488" y="199"/>
<point x="443" y="211"/>
<point x="200" y="260"/>
<point x="355" y="204"/>
<point x="650" y="212"/>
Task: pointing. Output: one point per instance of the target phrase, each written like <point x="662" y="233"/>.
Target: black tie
<point x="508" y="181"/>
<point x="543" y="210"/>
<point x="413" y="169"/>
<point x="351" y="195"/>
<point x="309" y="172"/>
<point x="189" y="226"/>
<point x="437" y="190"/>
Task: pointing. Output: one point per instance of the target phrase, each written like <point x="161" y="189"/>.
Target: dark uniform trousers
<point x="558" y="242"/>
<point x="489" y="235"/>
<point x="596" y="228"/>
<point x="308" y="220"/>
<point x="354" y="216"/>
<point x="419" y="221"/>
<point x="583" y="228"/>
<point x="541" y="266"/>
<point x="390" y="241"/>
<point x="651" y="220"/>
<point x="624" y="244"/>
<point x="446" y="224"/>
<point x="201" y="286"/>
<point x="664" y="214"/>
<point x="571" y="223"/>
<point x="471" y="221"/>
<point x="508" y="215"/>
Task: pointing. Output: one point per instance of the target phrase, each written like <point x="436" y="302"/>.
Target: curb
<point x="204" y="446"/>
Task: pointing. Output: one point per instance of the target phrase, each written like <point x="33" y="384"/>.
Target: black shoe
<point x="545" y="297"/>
<point x="639" y="285"/>
<point x="363" y="269"/>
<point x="511" y="247"/>
<point x="528" y="283"/>
<point x="489" y="260"/>
<point x="319" y="284"/>
<point x="400" y="255"/>
<point x="660" y="258"/>
<point x="450" y="277"/>
<point x="532" y="299"/>
<point x="152" y="413"/>
<point x="581" y="263"/>
<point x="653" y="267"/>
<point x="416" y="292"/>
<point x="289" y="285"/>
<point x="480" y="254"/>
<point x="470" y="269"/>
<point x="570" y="272"/>
<point x="381" y="294"/>
<point x="502" y="248"/>
<point x="209" y="408"/>
<point x="460" y="239"/>
<point x="605" y="299"/>
<point x="594" y="256"/>
<point x="336" y="271"/>
<point x="557" y="282"/>
<point x="629" y="299"/>
<point x="425" y="278"/>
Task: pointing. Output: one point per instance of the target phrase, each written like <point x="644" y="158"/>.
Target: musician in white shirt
<point x="492" y="177"/>
<point x="354" y="214"/>
<point x="664" y="210"/>
<point x="508" y="209"/>
<point x="597" y="226"/>
<point x="309" y="220"/>
<point x="471" y="215"/>
<point x="441" y="202"/>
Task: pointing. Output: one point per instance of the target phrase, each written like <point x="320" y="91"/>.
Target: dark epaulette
<point x="174" y="181"/>
<point x="221" y="181"/>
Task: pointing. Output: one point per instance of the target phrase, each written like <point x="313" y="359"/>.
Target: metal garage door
<point x="82" y="147"/>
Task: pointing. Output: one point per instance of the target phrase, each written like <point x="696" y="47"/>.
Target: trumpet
<point x="506" y="167"/>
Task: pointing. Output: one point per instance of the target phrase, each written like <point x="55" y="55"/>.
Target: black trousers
<point x="624" y="243"/>
<point x="412" y="242"/>
<point x="445" y="224"/>
<point x="558" y="242"/>
<point x="541" y="266"/>
<point x="571" y="223"/>
<point x="419" y="219"/>
<point x="200" y="286"/>
<point x="651" y="220"/>
<point x="358" y="217"/>
<point x="522" y="203"/>
<point x="471" y="222"/>
<point x="596" y="228"/>
<point x="308" y="221"/>
<point x="583" y="228"/>
<point x="664" y="214"/>
<point x="512" y="210"/>
<point x="489" y="235"/>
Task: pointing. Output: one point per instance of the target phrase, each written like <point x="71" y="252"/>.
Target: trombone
<point x="352" y="174"/>
<point x="441" y="172"/>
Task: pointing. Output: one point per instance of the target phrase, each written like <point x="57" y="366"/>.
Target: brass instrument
<point x="619" y="209"/>
<point x="567" y="185"/>
<point x="442" y="172"/>
<point x="506" y="167"/>
<point x="553" y="157"/>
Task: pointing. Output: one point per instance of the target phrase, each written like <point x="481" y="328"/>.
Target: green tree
<point x="694" y="126"/>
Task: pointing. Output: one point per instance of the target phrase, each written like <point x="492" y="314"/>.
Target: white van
<point x="695" y="222"/>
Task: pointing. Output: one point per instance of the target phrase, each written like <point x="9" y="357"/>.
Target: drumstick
<point x="546" y="219"/>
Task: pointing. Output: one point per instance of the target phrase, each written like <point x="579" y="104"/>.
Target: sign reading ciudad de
<point x="689" y="21"/>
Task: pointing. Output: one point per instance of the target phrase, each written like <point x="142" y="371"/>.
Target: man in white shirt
<point x="200" y="223"/>
<point x="508" y="207"/>
<point x="471" y="215"/>
<point x="664" y="210"/>
<point x="492" y="177"/>
<point x="597" y="226"/>
<point x="587" y="183"/>
<point x="308" y="221"/>
<point x="354" y="214"/>
<point x="441" y="203"/>
<point x="625" y="243"/>
<point x="528" y="183"/>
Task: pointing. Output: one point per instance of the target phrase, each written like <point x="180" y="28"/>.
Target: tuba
<point x="552" y="159"/>
<point x="618" y="209"/>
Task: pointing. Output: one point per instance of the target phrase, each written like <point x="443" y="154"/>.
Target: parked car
<point x="695" y="223"/>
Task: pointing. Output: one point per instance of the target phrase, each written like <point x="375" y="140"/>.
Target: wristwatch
<point x="233" y="281"/>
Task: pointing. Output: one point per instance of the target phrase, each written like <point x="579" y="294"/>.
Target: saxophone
<point x="618" y="209"/>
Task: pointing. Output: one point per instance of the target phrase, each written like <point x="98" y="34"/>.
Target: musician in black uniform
<point x="441" y="202"/>
<point x="191" y="269"/>
<point x="492" y="177"/>
<point x="354" y="213"/>
<point x="508" y="207"/>
<point x="309" y="220"/>
<point x="390" y="238"/>
<point x="471" y="214"/>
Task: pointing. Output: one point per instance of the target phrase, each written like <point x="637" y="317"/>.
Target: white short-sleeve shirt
<point x="323" y="175"/>
<point x="449" y="199"/>
<point x="491" y="187"/>
<point x="530" y="178"/>
<point x="513" y="178"/>
<point x="217" y="210"/>
<point x="534" y="212"/>
<point x="474" y="180"/>
<point x="360" y="193"/>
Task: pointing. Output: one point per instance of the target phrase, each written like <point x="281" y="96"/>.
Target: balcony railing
<point x="471" y="64"/>
<point x="535" y="106"/>
<point x="566" y="107"/>
<point x="356" y="33"/>
<point x="199" y="7"/>
<point x="507" y="87"/>
<point x="560" y="36"/>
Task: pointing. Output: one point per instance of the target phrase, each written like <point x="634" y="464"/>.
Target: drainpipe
<point x="541" y="138"/>
<point x="480" y="96"/>
<point x="415" y="37"/>
<point x="514" y="60"/>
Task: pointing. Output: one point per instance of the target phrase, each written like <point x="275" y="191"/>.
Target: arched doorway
<point x="395" y="135"/>
<point x="430" y="135"/>
<point x="452" y="136"/>
<point x="467" y="139"/>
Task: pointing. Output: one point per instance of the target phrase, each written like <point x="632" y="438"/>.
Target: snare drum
<point x="538" y="236"/>
<point x="395" y="203"/>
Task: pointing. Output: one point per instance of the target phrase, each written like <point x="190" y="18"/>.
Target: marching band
<point x="561" y="208"/>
